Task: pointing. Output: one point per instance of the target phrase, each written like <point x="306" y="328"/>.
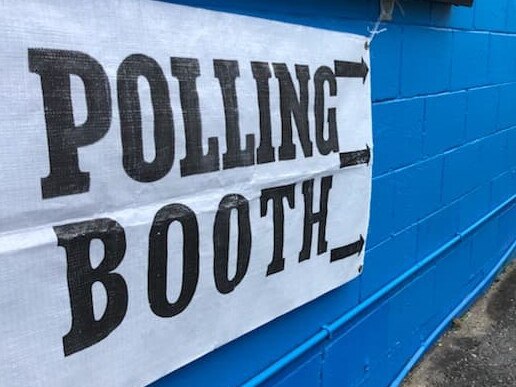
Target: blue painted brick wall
<point x="444" y="127"/>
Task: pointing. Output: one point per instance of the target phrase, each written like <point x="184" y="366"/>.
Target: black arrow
<point x="348" y="250"/>
<point x="351" y="69"/>
<point x="348" y="159"/>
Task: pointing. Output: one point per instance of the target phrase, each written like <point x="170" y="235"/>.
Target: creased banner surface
<point x="172" y="178"/>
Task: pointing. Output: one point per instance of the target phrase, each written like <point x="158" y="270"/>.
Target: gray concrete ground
<point x="480" y="348"/>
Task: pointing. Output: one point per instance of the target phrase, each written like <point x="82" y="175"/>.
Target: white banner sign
<point x="172" y="178"/>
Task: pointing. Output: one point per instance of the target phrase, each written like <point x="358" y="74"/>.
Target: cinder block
<point x="306" y="374"/>
<point x="410" y="308"/>
<point x="426" y="61"/>
<point x="436" y="230"/>
<point x="469" y="60"/>
<point x="445" y="123"/>
<point x="359" y="351"/>
<point x="398" y="132"/>
<point x="463" y="171"/>
<point x="482" y="112"/>
<point x="387" y="261"/>
<point x="506" y="227"/>
<point x="484" y="247"/>
<point x="452" y="274"/>
<point x="503" y="187"/>
<point x="385" y="63"/>
<point x="318" y="312"/>
<point x="490" y="15"/>
<point x="474" y="205"/>
<point x="444" y="15"/>
<point x="511" y="140"/>
<point x="494" y="155"/>
<point x="417" y="193"/>
<point x="507" y="109"/>
<point x="511" y="16"/>
<point x="502" y="58"/>
<point x="382" y="205"/>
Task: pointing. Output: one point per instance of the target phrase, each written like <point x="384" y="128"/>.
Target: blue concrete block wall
<point x="444" y="127"/>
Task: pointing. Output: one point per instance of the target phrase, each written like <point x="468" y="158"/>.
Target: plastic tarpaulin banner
<point x="172" y="178"/>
